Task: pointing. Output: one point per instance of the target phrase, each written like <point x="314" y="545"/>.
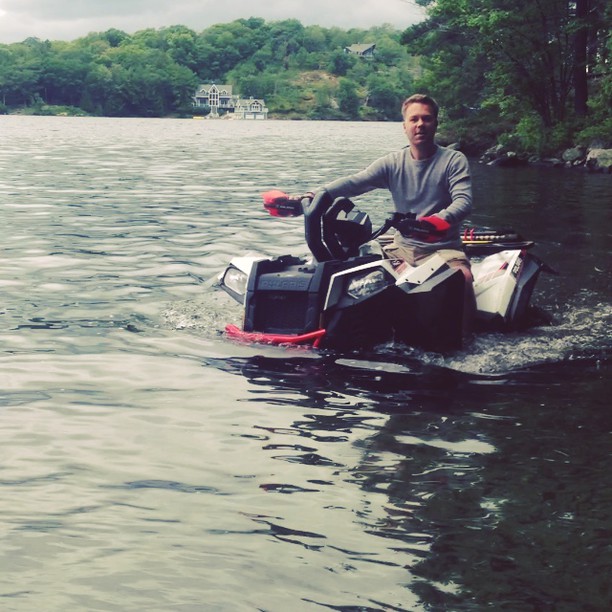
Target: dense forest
<point x="299" y="71"/>
<point x="536" y="75"/>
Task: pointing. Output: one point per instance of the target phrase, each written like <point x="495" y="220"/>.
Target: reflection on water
<point x="474" y="474"/>
<point x="150" y="463"/>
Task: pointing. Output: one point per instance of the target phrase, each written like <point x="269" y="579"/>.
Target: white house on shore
<point x="222" y="101"/>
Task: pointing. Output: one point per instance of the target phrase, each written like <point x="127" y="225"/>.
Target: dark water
<point x="148" y="463"/>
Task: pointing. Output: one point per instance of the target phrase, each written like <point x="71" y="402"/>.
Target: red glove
<point x="436" y="226"/>
<point x="438" y="223"/>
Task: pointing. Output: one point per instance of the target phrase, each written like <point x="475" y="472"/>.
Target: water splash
<point x="581" y="330"/>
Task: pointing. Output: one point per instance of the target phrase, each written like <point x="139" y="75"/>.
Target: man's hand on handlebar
<point x="426" y="229"/>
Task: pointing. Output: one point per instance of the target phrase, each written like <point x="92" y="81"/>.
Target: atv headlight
<point x="235" y="280"/>
<point x="366" y="284"/>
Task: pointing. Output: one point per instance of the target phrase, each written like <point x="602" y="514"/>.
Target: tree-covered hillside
<point x="532" y="75"/>
<point x="299" y="71"/>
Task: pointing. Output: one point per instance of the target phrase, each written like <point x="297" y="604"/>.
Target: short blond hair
<point x="421" y="99"/>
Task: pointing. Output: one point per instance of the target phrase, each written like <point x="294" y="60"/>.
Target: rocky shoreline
<point x="589" y="159"/>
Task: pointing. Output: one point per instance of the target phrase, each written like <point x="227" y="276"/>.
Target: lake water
<point x="149" y="463"/>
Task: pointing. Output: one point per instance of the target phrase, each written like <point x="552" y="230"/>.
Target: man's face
<point x="420" y="124"/>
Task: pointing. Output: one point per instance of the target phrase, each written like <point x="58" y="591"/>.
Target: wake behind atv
<point x="349" y="295"/>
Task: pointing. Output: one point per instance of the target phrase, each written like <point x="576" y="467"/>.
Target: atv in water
<point x="348" y="295"/>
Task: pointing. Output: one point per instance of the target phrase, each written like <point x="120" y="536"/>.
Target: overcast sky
<point x="71" y="19"/>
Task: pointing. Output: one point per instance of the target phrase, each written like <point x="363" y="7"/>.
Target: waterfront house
<point x="250" y="108"/>
<point x="222" y="101"/>
<point x="217" y="97"/>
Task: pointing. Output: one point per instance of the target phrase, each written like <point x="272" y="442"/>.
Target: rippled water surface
<point x="148" y="463"/>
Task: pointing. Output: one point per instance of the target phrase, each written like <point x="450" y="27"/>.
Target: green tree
<point x="314" y="39"/>
<point x="385" y="97"/>
<point x="526" y="62"/>
<point x="63" y="75"/>
<point x="20" y="69"/>
<point x="142" y="81"/>
<point x="389" y="50"/>
<point x="250" y="82"/>
<point x="285" y="39"/>
<point x="349" y="101"/>
<point x="222" y="47"/>
<point x="340" y="62"/>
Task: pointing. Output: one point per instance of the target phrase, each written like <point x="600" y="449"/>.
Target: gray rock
<point x="574" y="154"/>
<point x="599" y="160"/>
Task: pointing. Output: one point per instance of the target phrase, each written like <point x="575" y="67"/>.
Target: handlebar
<point x="410" y="227"/>
<point x="335" y="230"/>
<point x="314" y="210"/>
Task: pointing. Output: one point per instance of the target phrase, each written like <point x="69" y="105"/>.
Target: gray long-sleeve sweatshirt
<point x="439" y="185"/>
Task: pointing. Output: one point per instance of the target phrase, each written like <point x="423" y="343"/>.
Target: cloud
<point x="71" y="19"/>
<point x="60" y="10"/>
